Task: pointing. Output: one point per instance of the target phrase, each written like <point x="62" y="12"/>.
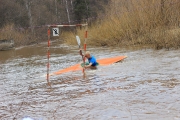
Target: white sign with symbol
<point x="55" y="31"/>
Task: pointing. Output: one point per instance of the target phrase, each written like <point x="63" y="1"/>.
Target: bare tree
<point x="56" y="10"/>
<point x="67" y="10"/>
<point x="87" y="9"/>
<point x="28" y="4"/>
<point x="72" y="5"/>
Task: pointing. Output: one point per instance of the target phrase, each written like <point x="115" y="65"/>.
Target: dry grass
<point x="23" y="36"/>
<point x="9" y="32"/>
<point x="154" y="23"/>
<point x="70" y="37"/>
<point x="130" y="22"/>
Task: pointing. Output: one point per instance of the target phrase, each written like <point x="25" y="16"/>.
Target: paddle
<point x="79" y="44"/>
<point x="78" y="41"/>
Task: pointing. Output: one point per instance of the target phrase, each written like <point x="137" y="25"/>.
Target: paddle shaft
<point x="80" y="52"/>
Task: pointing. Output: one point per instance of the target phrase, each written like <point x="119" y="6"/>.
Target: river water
<point x="144" y="86"/>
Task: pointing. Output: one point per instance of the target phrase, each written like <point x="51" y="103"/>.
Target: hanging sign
<point x="55" y="31"/>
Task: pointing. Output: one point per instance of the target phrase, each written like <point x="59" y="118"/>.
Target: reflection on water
<point x="144" y="86"/>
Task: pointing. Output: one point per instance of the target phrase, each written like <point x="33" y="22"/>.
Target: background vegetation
<point x="155" y="23"/>
<point x="26" y="21"/>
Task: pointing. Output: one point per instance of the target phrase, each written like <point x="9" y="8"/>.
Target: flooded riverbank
<point x="144" y="86"/>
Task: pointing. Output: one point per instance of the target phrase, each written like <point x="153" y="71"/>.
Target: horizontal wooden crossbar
<point x="76" y="25"/>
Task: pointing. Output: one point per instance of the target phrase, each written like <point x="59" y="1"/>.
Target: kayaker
<point x="92" y="63"/>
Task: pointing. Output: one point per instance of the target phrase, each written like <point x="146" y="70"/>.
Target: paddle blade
<point x="78" y="40"/>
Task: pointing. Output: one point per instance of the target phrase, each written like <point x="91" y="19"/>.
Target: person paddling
<point x="92" y="63"/>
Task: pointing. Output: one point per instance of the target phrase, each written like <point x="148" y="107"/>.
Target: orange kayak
<point x="103" y="62"/>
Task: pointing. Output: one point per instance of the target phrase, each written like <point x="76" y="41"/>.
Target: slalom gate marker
<point x="56" y="33"/>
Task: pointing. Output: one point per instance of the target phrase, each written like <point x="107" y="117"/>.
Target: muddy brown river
<point x="144" y="86"/>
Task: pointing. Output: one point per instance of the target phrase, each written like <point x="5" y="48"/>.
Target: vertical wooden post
<point x="85" y="36"/>
<point x="48" y="55"/>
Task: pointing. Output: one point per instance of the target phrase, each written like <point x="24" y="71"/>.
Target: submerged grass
<point x="132" y="23"/>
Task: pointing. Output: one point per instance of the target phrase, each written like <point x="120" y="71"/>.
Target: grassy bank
<point x="22" y="36"/>
<point x="132" y="22"/>
<point x="154" y="23"/>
